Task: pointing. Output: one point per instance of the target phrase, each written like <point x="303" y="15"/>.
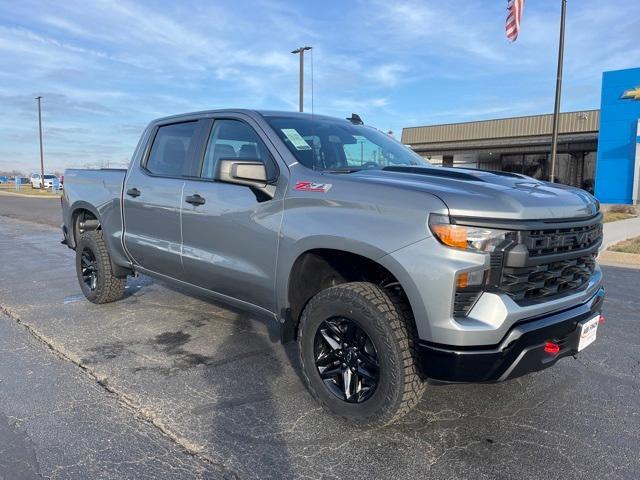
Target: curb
<point x="26" y="195"/>
<point x="628" y="234"/>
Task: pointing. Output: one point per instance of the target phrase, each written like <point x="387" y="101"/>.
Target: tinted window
<point x="232" y="139"/>
<point x="170" y="150"/>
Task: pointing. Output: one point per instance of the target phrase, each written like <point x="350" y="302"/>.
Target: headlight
<point x="467" y="238"/>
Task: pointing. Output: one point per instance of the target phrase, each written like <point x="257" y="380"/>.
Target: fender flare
<point x="118" y="270"/>
<point x="79" y="205"/>
<point x="288" y="324"/>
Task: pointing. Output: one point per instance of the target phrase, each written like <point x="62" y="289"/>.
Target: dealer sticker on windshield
<point x="296" y="139"/>
<point x="588" y="332"/>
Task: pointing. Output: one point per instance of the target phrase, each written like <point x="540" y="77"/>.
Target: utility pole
<point x="39" y="98"/>
<point x="556" y="110"/>
<point x="301" y="51"/>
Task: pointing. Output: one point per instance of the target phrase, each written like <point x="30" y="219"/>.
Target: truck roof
<point x="263" y="113"/>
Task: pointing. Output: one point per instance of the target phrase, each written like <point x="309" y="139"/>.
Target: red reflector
<point x="552" y="348"/>
<point x="601" y="320"/>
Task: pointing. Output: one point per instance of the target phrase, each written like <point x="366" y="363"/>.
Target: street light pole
<point x="301" y="51"/>
<point x="556" y="109"/>
<point x="39" y="98"/>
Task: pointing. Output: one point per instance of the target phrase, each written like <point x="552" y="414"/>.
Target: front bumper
<point x="521" y="351"/>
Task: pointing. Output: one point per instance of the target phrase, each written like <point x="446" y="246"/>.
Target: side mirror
<point x="242" y="172"/>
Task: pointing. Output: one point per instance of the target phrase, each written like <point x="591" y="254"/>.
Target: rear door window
<point x="171" y="154"/>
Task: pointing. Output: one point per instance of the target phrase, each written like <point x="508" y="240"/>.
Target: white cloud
<point x="388" y="75"/>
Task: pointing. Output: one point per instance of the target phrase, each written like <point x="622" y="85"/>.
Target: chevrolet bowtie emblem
<point x="634" y="93"/>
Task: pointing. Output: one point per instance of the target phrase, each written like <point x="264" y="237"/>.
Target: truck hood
<point x="479" y="193"/>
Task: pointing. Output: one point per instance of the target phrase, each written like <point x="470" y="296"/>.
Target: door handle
<point x="195" y="199"/>
<point x="133" y="192"/>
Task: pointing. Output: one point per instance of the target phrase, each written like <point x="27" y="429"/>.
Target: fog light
<point x="551" y="348"/>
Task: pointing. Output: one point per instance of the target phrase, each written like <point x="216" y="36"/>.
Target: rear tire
<point x="93" y="267"/>
<point x="387" y="323"/>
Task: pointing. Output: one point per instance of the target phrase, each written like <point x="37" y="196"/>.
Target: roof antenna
<point x="355" y="119"/>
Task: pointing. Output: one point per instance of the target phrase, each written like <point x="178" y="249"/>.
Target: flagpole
<point x="556" y="109"/>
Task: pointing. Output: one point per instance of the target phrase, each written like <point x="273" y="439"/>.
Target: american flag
<point x="514" y="9"/>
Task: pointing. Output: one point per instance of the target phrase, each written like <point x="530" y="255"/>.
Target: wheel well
<point x="83" y="220"/>
<point x="316" y="270"/>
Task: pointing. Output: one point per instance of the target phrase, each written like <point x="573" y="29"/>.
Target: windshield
<point x="325" y="144"/>
<point x="49" y="177"/>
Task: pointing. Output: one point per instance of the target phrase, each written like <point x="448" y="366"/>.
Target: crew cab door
<point x="230" y="231"/>
<point x="153" y="194"/>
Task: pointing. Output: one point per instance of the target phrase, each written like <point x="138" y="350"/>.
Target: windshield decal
<point x="312" y="187"/>
<point x="296" y="139"/>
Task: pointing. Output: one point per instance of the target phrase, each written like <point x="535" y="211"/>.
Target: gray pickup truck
<point x="389" y="272"/>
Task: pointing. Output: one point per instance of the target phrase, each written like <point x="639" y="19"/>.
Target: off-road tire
<point x="109" y="288"/>
<point x="387" y="320"/>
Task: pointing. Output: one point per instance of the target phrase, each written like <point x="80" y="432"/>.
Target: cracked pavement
<point x="168" y="384"/>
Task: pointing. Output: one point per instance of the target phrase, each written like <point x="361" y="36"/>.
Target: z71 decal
<point x="312" y="187"/>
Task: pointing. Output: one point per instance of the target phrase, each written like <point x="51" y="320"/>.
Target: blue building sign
<point x="618" y="165"/>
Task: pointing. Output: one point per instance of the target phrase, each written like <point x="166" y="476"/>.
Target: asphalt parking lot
<point x="167" y="385"/>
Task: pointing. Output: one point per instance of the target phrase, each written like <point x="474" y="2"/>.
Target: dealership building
<point x="600" y="147"/>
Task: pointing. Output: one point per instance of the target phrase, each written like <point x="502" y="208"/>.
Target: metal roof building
<point x="519" y="144"/>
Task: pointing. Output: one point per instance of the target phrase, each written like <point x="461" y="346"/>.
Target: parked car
<point x="49" y="179"/>
<point x="387" y="270"/>
<point x="4" y="179"/>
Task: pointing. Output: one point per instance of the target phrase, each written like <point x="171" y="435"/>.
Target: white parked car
<point x="36" y="182"/>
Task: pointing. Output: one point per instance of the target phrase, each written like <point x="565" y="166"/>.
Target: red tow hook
<point x="551" y="348"/>
<point x="601" y="320"/>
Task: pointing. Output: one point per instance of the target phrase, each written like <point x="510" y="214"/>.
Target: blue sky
<point x="105" y="68"/>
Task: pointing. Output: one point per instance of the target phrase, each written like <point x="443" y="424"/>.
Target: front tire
<point x="357" y="351"/>
<point x="93" y="267"/>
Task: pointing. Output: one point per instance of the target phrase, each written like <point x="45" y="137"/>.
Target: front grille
<point x="562" y="240"/>
<point x="539" y="260"/>
<point x="532" y="283"/>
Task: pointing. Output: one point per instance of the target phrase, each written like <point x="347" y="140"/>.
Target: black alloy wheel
<point x="356" y="342"/>
<point x="89" y="268"/>
<point x="95" y="270"/>
<point x="346" y="359"/>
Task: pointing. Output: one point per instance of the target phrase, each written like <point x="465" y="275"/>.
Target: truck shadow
<point x="246" y="422"/>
